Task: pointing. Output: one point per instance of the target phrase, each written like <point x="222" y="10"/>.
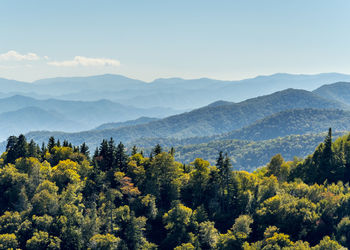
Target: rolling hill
<point x="281" y="124"/>
<point x="206" y="121"/>
<point x="249" y="155"/>
<point x="337" y="91"/>
<point x="293" y="122"/>
<point x="114" y="125"/>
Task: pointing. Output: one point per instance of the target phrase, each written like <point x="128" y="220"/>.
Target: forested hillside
<point x="113" y="125"/>
<point x="292" y="122"/>
<point x="206" y="121"/>
<point x="249" y="155"/>
<point x="336" y="91"/>
<point x="56" y="196"/>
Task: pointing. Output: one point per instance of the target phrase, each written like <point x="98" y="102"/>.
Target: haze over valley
<point x="260" y="108"/>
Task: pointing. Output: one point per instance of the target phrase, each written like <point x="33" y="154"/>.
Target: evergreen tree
<point x="51" y="143"/>
<point x="11" y="149"/>
<point x="134" y="150"/>
<point x="84" y="149"/>
<point x="43" y="150"/>
<point x="157" y="149"/>
<point x="326" y="167"/>
<point x="96" y="153"/>
<point x="121" y="157"/>
<point x="103" y="156"/>
<point x="111" y="154"/>
<point x="220" y="161"/>
<point x="32" y="149"/>
<point x="65" y="143"/>
<point x="172" y="151"/>
<point x="21" y="147"/>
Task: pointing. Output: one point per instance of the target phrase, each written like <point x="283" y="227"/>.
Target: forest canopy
<point x="60" y="196"/>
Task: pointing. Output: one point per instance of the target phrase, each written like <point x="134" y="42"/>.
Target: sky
<point x="149" y="39"/>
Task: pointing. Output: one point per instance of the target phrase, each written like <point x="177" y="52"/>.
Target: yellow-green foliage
<point x="62" y="199"/>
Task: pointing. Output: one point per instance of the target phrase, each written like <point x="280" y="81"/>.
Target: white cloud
<point x="86" y="61"/>
<point x="15" y="56"/>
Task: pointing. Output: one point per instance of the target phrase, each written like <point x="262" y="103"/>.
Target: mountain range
<point x="207" y="121"/>
<point x="176" y="93"/>
<point x="21" y="114"/>
<point x="144" y="114"/>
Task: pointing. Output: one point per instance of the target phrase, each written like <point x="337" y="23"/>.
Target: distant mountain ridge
<point x="293" y="122"/>
<point x="176" y="93"/>
<point x="206" y="121"/>
<point x="336" y="91"/>
<point x="33" y="118"/>
<point x="69" y="115"/>
<point x="114" y="125"/>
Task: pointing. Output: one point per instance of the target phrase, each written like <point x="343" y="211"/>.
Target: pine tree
<point x="157" y="149"/>
<point x="21" y="147"/>
<point x="32" y="149"/>
<point x="220" y="161"/>
<point x="121" y="157"/>
<point x="11" y="149"/>
<point x="327" y="158"/>
<point x="134" y="150"/>
<point x="96" y="153"/>
<point x="172" y="151"/>
<point x="111" y="161"/>
<point x="51" y="143"/>
<point x="43" y="150"/>
<point x="103" y="156"/>
<point x="84" y="149"/>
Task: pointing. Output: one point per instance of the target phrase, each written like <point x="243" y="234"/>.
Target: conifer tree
<point x="134" y="150"/>
<point x="327" y="158"/>
<point x="157" y="149"/>
<point x="11" y="149"/>
<point x="43" y="150"/>
<point x="21" y="147"/>
<point x="32" y="149"/>
<point x="84" y="149"/>
<point x="121" y="158"/>
<point x="65" y="143"/>
<point x="220" y="161"/>
<point x="51" y="143"/>
<point x="172" y="151"/>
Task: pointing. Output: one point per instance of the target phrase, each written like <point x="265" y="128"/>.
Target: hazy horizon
<point x="161" y="39"/>
<point x="178" y="77"/>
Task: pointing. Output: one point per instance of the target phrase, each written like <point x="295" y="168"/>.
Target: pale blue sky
<point x="184" y="38"/>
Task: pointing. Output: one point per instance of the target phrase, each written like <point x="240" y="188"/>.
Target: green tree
<point x="208" y="235"/>
<point x="104" y="242"/>
<point x="42" y="240"/>
<point x="177" y="221"/>
<point x="8" y="241"/>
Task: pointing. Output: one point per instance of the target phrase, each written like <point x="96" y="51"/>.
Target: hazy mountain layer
<point x="206" y="121"/>
<point x="113" y="125"/>
<point x="66" y="116"/>
<point x="175" y="93"/>
<point x="337" y="91"/>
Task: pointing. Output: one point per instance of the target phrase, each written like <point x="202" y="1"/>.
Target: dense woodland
<point x="59" y="196"/>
